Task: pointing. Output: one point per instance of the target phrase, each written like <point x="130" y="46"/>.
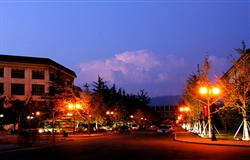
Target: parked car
<point x="135" y="127"/>
<point x="153" y="128"/>
<point x="123" y="129"/>
<point x="164" y="129"/>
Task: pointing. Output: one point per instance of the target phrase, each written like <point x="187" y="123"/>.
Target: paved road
<point x="139" y="146"/>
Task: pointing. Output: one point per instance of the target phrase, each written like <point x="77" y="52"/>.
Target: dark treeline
<point x="102" y="98"/>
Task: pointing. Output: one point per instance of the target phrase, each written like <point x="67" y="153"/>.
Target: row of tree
<point x="97" y="98"/>
<point x="233" y="101"/>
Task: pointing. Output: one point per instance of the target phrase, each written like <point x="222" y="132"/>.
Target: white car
<point x="135" y="127"/>
<point x="164" y="129"/>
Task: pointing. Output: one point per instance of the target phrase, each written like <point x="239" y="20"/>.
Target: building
<point x="166" y="112"/>
<point x="238" y="76"/>
<point x="166" y="106"/>
<point x="25" y="78"/>
<point x="243" y="60"/>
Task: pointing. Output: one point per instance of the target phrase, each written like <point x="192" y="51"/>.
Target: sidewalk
<point x="188" y="137"/>
<point x="10" y="142"/>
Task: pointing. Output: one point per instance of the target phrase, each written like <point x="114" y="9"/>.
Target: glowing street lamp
<point x="69" y="114"/>
<point x="209" y="93"/>
<point x="179" y="117"/>
<point x="184" y="109"/>
<point x="109" y="112"/>
<point x="38" y="113"/>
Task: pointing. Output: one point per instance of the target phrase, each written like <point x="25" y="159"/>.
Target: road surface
<point x="138" y="146"/>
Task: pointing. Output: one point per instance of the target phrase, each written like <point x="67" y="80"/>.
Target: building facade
<point x="243" y="62"/>
<point x="166" y="112"/>
<point x="23" y="78"/>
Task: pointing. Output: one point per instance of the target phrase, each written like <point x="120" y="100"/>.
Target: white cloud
<point x="135" y="70"/>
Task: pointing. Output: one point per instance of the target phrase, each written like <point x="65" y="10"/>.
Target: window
<point x="17" y="73"/>
<point x="52" y="77"/>
<point x="17" y="89"/>
<point x="52" y="91"/>
<point x="1" y="88"/>
<point x="37" y="89"/>
<point x="37" y="74"/>
<point x="1" y="72"/>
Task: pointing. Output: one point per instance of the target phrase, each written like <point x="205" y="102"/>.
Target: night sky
<point x="151" y="45"/>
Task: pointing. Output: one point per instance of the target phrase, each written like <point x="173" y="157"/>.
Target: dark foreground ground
<point x="136" y="146"/>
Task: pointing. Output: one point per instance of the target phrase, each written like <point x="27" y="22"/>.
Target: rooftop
<point x="36" y="60"/>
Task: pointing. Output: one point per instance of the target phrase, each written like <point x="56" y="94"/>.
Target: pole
<point x="53" y="126"/>
<point x="211" y="132"/>
<point x="209" y="118"/>
<point x="74" y="123"/>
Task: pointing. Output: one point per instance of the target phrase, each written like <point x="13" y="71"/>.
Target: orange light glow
<point x="179" y="117"/>
<point x="131" y="116"/>
<point x="216" y="91"/>
<point x="184" y="109"/>
<point x="107" y="112"/>
<point x="69" y="114"/>
<point x="38" y="113"/>
<point x="203" y="90"/>
<point x="70" y="106"/>
<point x="78" y="106"/>
<point x="111" y="112"/>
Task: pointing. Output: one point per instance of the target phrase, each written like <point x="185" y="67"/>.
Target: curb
<point x="60" y="141"/>
<point x="204" y="143"/>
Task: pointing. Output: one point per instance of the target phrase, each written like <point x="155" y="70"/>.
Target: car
<point x="135" y="127"/>
<point x="164" y="129"/>
<point x="123" y="129"/>
<point x="153" y="128"/>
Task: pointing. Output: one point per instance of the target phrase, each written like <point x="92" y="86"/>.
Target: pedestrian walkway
<point x="188" y="137"/>
<point x="12" y="142"/>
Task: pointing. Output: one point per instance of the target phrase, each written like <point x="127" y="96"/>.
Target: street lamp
<point x="209" y="93"/>
<point x="110" y="116"/>
<point x="184" y="109"/>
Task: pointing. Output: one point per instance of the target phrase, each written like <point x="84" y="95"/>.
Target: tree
<point x="191" y="100"/>
<point x="236" y="86"/>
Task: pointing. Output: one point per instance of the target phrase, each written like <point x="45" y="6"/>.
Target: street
<point x="139" y="145"/>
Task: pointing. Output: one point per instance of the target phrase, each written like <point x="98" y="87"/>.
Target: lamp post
<point x="209" y="93"/>
<point x="110" y="114"/>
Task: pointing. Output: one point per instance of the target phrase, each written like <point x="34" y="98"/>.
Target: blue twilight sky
<point x="151" y="45"/>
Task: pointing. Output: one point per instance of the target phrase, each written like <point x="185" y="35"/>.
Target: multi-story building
<point x="23" y="78"/>
<point x="232" y="72"/>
